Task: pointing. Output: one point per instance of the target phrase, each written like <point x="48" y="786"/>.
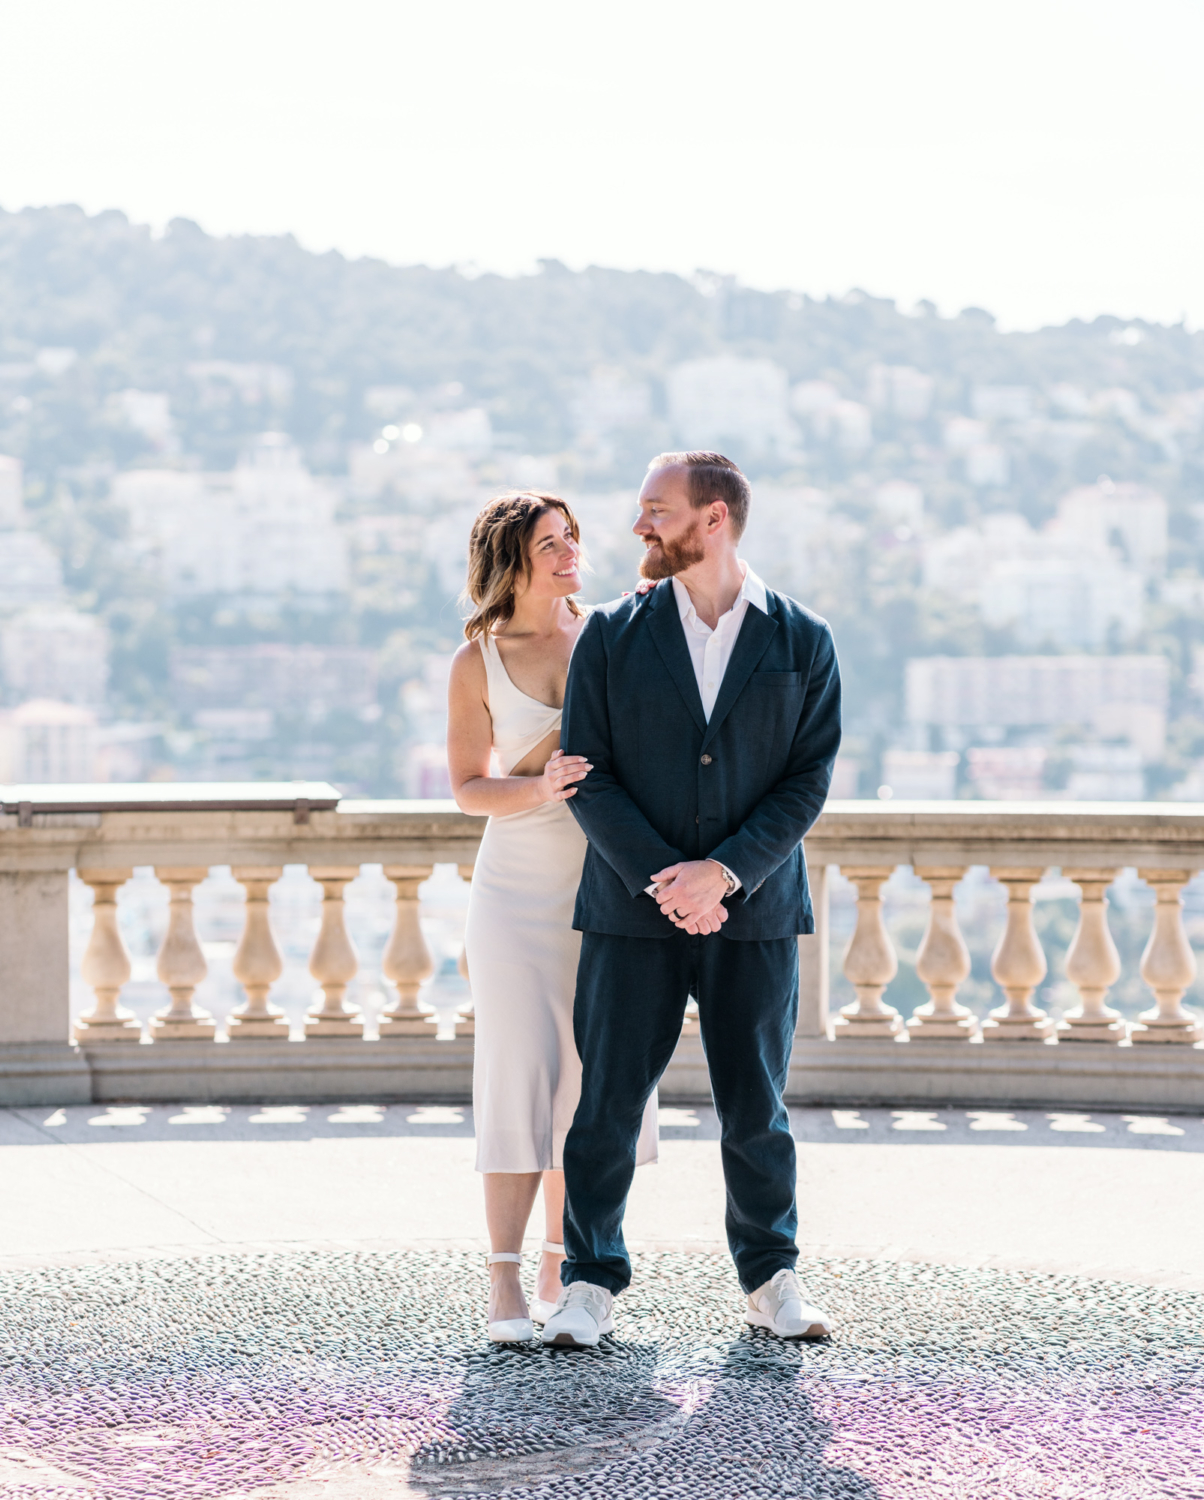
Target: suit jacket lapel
<point x="665" y="625"/>
<point x="756" y="631"/>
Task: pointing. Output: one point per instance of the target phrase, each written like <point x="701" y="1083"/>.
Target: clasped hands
<point x="691" y="894"/>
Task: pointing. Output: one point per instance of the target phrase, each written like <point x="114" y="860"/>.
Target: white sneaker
<point x="779" y="1305"/>
<point x="582" y="1316"/>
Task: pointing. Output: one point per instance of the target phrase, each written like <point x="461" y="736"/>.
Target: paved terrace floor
<point x="250" y="1304"/>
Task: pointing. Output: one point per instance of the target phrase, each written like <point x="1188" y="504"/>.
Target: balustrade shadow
<point x="932" y="1129"/>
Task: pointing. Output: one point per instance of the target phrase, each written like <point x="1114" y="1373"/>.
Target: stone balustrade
<point x="864" y="1053"/>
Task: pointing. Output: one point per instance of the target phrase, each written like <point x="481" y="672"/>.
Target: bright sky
<point x="1042" y="158"/>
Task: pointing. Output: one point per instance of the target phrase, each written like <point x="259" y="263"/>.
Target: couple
<point x="649" y="770"/>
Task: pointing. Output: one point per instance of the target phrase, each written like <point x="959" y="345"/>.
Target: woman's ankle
<point x="548" y="1277"/>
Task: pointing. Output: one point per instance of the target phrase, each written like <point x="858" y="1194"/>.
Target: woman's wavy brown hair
<point x="497" y="556"/>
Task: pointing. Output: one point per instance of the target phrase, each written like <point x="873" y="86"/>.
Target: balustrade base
<point x="924" y="1073"/>
<point x="258" y="1028"/>
<point x="885" y="1071"/>
<point x="466" y="1025"/>
<point x="1186" y="1031"/>
<point x="349" y="1028"/>
<point x="1072" y="1029"/>
<point x="328" y="1070"/>
<point x="423" y="1024"/>
<point x="945" y="1028"/>
<point x="196" y="1028"/>
<point x="43" y="1073"/>
<point x="1005" y="1028"/>
<point x="125" y="1028"/>
<point x="858" y="1028"/>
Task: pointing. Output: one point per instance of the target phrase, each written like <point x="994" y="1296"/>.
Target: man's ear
<point x="716" y="515"/>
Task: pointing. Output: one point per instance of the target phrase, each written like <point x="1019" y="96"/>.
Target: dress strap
<point x="495" y="673"/>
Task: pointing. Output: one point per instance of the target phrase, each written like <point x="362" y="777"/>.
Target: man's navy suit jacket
<point x="666" y="785"/>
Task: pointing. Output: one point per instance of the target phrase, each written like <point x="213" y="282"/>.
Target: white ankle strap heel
<point x="509" y="1330"/>
<point x="541" y="1311"/>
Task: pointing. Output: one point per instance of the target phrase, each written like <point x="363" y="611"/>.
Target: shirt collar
<point x="753" y="591"/>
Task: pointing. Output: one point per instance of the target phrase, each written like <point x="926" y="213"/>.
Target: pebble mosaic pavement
<point x="357" y="1376"/>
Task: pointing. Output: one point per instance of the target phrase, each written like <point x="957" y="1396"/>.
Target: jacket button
<point x="696" y="817"/>
<point x="706" y="760"/>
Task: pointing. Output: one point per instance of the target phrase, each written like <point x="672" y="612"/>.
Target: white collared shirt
<point x="711" y="650"/>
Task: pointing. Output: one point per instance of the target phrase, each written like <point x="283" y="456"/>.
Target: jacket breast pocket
<point x="773" y="703"/>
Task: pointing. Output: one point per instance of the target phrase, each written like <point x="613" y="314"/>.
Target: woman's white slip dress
<point x="522" y="959"/>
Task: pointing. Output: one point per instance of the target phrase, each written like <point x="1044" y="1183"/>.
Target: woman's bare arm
<point x="470" y="744"/>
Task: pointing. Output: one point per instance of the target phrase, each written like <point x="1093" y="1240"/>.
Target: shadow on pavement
<point x="1095" y="1129"/>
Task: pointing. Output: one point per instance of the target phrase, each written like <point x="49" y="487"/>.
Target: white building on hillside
<point x="253" y="384"/>
<point x="30" y="573"/>
<point x="266" y="529"/>
<point x="46" y="741"/>
<point x="1003" y="403"/>
<point x="12" y="493"/>
<point x="791" y="533"/>
<point x="987" y="465"/>
<point x="55" y="653"/>
<point x="1062" y="587"/>
<point x="1130" y="518"/>
<point x="147" y="412"/>
<point x="900" y="501"/>
<point x="727" y="402"/>
<point x="1116" y="697"/>
<point x="920" y="775"/>
<point x="609" y="401"/>
<point x="900" y="389"/>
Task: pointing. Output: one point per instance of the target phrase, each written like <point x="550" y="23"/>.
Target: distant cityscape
<point x="249" y="568"/>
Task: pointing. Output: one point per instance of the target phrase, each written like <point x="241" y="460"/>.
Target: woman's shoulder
<point x="468" y="664"/>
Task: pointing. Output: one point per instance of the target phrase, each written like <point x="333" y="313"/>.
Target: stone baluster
<point x="869" y="962"/>
<point x="1168" y="965"/>
<point x="942" y="962"/>
<point x="1018" y="966"/>
<point x="334" y="961"/>
<point x="257" y="963"/>
<point x="407" y="961"/>
<point x="181" y="964"/>
<point x="106" y="964"/>
<point x="1092" y="964"/>
<point x="466" y="1023"/>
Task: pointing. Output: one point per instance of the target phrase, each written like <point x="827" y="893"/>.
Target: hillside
<point x="121" y="351"/>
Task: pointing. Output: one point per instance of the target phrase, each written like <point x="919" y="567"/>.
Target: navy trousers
<point x="631" y="996"/>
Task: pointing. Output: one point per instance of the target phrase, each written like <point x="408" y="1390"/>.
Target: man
<point x="709" y="709"/>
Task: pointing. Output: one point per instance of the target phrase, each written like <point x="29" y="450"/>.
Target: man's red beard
<point x="668" y="558"/>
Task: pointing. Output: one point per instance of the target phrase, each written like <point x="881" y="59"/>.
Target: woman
<point x="504" y="757"/>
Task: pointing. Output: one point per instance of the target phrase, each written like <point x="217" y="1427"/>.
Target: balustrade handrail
<point x="147" y="796"/>
<point x="905" y="832"/>
<point x="1051" y="832"/>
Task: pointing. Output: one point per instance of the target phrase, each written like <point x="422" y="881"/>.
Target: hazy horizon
<point x="1039" y="160"/>
<point x="473" y="271"/>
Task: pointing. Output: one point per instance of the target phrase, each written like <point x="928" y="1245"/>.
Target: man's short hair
<point x="710" y="476"/>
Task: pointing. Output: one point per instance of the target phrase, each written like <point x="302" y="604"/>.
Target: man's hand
<point x="691" y="893"/>
<point x="710" y="921"/>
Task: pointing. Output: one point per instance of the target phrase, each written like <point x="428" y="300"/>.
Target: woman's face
<point x="554" y="559"/>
